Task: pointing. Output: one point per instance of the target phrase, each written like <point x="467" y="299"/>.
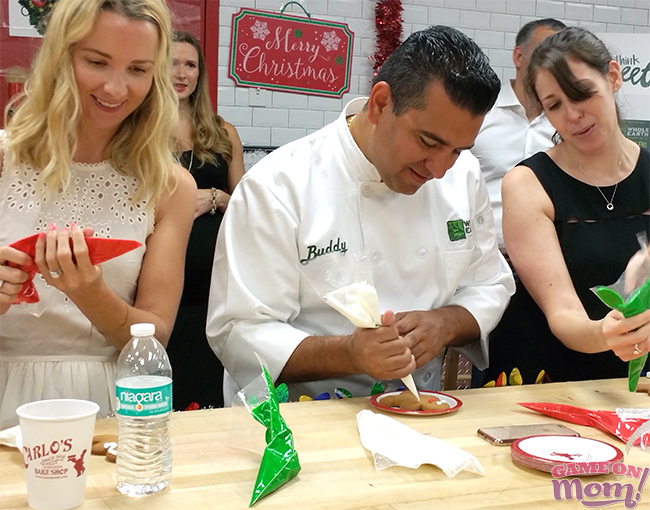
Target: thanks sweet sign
<point x="281" y="52"/>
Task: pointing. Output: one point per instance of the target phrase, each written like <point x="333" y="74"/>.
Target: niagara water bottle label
<point x="144" y="401"/>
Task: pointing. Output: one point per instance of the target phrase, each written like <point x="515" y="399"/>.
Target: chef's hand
<point x="424" y="333"/>
<point x="427" y="332"/>
<point x="67" y="268"/>
<point x="380" y="352"/>
<point x="11" y="278"/>
<point x="627" y="338"/>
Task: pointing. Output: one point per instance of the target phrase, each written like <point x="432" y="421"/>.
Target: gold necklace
<point x="610" y="202"/>
<point x="349" y="119"/>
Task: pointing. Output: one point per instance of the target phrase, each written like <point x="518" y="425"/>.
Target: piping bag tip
<point x="410" y="384"/>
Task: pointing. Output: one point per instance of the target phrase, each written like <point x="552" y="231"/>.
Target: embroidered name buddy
<point x="314" y="251"/>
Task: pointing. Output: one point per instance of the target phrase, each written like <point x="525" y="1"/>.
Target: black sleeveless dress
<point x="197" y="372"/>
<point x="596" y="244"/>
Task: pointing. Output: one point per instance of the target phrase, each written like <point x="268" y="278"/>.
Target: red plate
<point x="454" y="403"/>
<point x="545" y="452"/>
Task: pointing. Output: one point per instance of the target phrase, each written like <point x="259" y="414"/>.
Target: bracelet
<point x="213" y="201"/>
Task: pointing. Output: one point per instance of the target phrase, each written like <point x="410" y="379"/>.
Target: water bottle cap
<point x="143" y="329"/>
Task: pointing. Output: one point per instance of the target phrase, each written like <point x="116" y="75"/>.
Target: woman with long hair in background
<point x="210" y="149"/>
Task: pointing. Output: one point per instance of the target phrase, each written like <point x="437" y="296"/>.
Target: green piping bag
<point x="280" y="460"/>
<point x="639" y="301"/>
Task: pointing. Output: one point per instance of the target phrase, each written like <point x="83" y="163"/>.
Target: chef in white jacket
<point x="390" y="178"/>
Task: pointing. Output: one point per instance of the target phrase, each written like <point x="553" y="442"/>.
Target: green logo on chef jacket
<point x="458" y="230"/>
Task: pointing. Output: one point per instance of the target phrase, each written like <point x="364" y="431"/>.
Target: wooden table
<point x="338" y="473"/>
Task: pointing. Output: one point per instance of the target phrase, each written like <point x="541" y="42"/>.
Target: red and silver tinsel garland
<point x="388" y="23"/>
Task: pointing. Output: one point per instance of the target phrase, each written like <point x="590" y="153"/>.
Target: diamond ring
<point x="56" y="274"/>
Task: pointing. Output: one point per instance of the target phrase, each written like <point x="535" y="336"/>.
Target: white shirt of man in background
<point x="515" y="128"/>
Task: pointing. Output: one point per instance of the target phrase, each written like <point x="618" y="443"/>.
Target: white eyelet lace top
<point x="50" y="349"/>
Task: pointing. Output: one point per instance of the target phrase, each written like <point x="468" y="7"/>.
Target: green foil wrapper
<point x="377" y="389"/>
<point x="282" y="391"/>
<point x="280" y="460"/>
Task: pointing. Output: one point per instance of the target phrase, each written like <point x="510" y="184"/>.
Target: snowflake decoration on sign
<point x="330" y="41"/>
<point x="260" y="30"/>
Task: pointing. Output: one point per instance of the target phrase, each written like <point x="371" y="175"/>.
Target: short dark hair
<point x="444" y="55"/>
<point x="552" y="54"/>
<point x="526" y="32"/>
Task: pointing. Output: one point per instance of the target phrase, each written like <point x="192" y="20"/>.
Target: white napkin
<point x="359" y="303"/>
<point x="12" y="437"/>
<point x="393" y="443"/>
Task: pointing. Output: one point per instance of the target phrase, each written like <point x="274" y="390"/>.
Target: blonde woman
<point x="211" y="150"/>
<point x="88" y="151"/>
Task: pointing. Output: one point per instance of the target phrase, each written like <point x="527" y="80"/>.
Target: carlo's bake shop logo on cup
<point x="608" y="493"/>
<point x="54" y="460"/>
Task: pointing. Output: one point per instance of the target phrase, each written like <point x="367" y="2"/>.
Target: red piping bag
<point x="99" y="249"/>
<point x="607" y="421"/>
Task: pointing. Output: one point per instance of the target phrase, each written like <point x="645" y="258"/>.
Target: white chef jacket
<point x="505" y="139"/>
<point x="320" y="197"/>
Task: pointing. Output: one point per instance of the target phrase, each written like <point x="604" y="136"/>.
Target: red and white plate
<point x="545" y="452"/>
<point x="453" y="402"/>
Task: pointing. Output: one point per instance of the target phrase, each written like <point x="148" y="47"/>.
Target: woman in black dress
<point x="211" y="150"/>
<point x="570" y="221"/>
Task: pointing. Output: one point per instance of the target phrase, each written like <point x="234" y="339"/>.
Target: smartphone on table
<point x="506" y="435"/>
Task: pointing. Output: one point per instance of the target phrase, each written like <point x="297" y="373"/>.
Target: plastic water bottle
<point x="144" y="405"/>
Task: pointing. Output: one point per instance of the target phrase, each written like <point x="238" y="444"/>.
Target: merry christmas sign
<point x="281" y="52"/>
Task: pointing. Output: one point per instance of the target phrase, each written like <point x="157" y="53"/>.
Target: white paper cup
<point x="57" y="438"/>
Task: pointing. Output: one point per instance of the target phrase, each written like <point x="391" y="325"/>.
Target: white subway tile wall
<point x="575" y="11"/>
<point x="491" y="5"/>
<point x="634" y="16"/>
<point x="444" y="16"/>
<point x="623" y="3"/>
<point x="414" y="13"/>
<point x="521" y="7"/>
<point x="269" y="118"/>
<point x="607" y="13"/>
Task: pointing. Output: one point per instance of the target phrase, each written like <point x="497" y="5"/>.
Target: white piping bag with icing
<point x="359" y="303"/>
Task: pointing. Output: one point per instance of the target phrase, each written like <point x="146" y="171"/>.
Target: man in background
<point x="515" y="128"/>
